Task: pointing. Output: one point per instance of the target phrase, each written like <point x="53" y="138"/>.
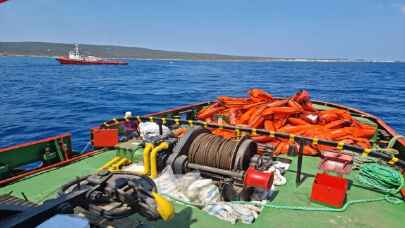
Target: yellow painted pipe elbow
<point x="110" y="163"/>
<point x="153" y="156"/>
<point x="117" y="166"/>
<point x="146" y="154"/>
<point x="164" y="207"/>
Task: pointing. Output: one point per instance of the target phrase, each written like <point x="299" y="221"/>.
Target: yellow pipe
<point x="153" y="155"/>
<point x="117" y="166"/>
<point x="111" y="162"/>
<point x="146" y="155"/>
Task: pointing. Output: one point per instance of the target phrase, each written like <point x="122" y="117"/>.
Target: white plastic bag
<point x="233" y="212"/>
<point x="177" y="186"/>
<point x="192" y="188"/>
<point x="150" y="130"/>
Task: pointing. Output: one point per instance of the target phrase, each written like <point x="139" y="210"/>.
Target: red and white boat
<point x="75" y="58"/>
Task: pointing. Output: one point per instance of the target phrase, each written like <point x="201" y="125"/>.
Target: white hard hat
<point x="127" y="114"/>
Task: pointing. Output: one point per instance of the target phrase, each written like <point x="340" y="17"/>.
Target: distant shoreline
<point x="52" y="50"/>
<point x="226" y="60"/>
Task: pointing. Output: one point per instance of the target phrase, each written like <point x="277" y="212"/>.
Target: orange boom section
<point x="295" y="115"/>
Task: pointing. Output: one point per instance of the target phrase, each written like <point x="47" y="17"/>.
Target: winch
<point x="222" y="159"/>
<point x="102" y="196"/>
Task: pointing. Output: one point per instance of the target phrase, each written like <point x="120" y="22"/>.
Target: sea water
<point x="41" y="98"/>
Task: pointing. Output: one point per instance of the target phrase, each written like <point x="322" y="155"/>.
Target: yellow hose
<point x="146" y="155"/>
<point x="153" y="156"/>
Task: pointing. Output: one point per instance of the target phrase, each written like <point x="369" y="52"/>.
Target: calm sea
<point x="41" y="98"/>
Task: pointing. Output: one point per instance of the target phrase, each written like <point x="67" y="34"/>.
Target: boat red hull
<point x="63" y="60"/>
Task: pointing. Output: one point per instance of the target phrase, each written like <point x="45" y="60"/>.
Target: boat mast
<point x="77" y="50"/>
<point x="75" y="54"/>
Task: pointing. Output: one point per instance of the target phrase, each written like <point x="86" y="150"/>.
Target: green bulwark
<point x="373" y="214"/>
<point x="47" y="150"/>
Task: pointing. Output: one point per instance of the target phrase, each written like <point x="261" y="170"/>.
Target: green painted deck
<point x="375" y="214"/>
<point x="45" y="185"/>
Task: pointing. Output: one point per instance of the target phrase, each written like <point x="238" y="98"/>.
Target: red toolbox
<point x="329" y="190"/>
<point x="104" y="137"/>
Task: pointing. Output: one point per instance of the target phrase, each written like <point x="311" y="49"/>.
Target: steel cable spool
<point x="214" y="151"/>
<point x="220" y="159"/>
<point x="200" y="149"/>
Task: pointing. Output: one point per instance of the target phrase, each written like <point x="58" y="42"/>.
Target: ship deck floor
<point x="373" y="214"/>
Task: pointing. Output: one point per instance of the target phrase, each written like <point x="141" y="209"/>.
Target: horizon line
<point x="220" y="54"/>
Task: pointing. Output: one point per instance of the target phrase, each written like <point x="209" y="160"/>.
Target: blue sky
<point x="373" y="29"/>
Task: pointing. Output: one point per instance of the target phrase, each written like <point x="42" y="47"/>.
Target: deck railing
<point x="340" y="146"/>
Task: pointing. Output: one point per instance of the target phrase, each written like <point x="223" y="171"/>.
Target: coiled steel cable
<point x="213" y="151"/>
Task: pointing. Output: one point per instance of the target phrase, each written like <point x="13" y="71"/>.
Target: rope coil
<point x="382" y="178"/>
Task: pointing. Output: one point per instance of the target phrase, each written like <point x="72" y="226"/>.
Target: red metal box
<point x="329" y="190"/>
<point x="104" y="137"/>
